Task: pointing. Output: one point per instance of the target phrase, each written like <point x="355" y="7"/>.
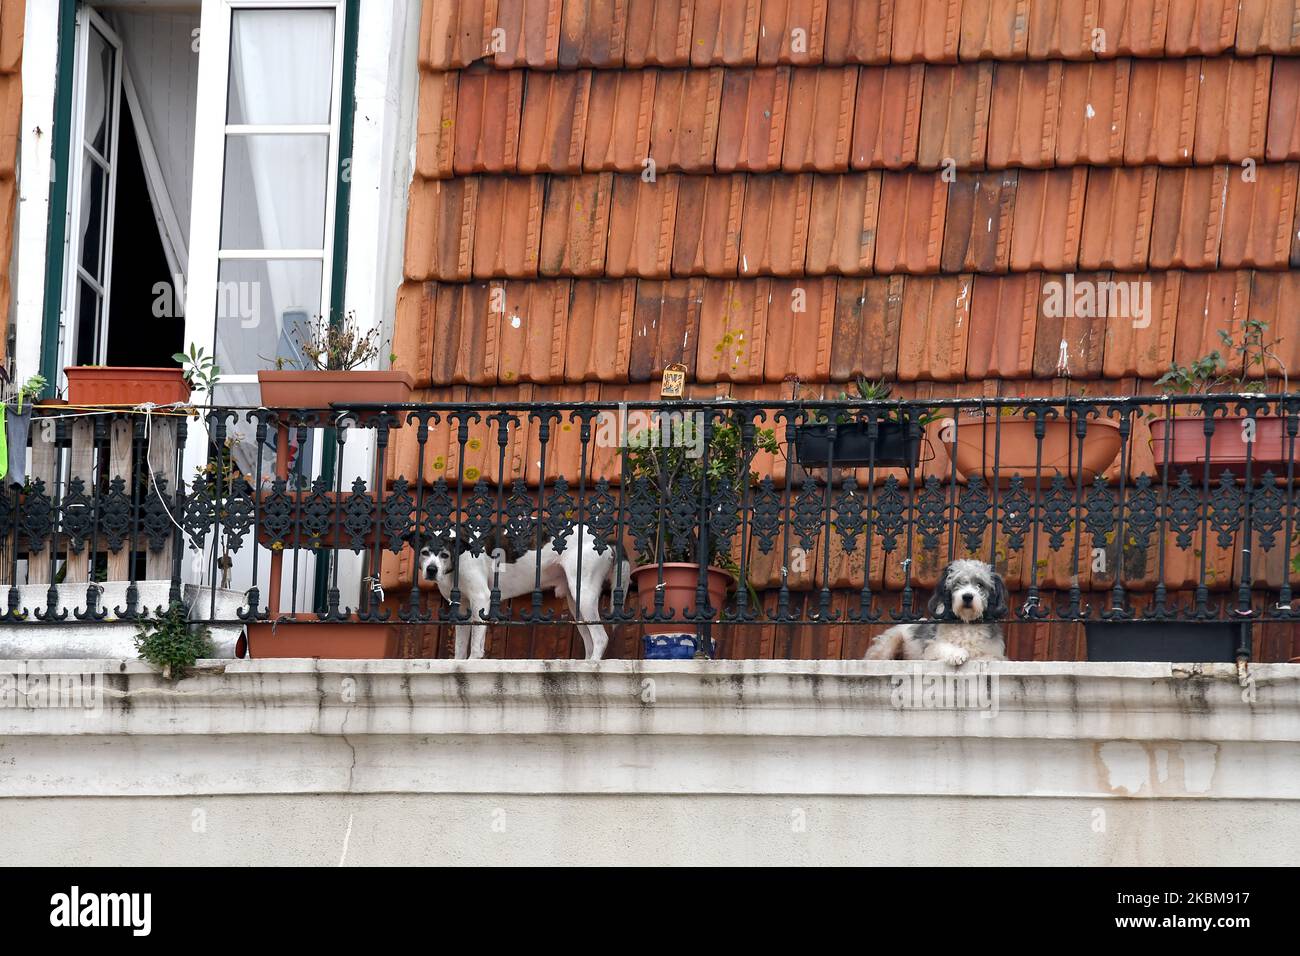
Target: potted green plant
<point x="1179" y="440"/>
<point x="1003" y="443"/>
<point x="856" y="444"/>
<point x="328" y="368"/>
<point x="668" y="545"/>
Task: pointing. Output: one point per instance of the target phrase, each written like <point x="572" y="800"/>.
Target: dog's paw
<point x="956" y="657"/>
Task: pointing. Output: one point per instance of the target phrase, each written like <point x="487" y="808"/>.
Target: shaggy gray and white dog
<point x="969" y="601"/>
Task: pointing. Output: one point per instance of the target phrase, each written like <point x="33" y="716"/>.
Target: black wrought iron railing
<point x="1125" y="509"/>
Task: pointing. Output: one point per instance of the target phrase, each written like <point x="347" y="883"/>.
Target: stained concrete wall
<point x="649" y="763"/>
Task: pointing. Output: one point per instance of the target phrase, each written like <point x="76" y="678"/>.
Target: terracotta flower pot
<point x="1017" y="448"/>
<point x="125" y="385"/>
<point x="680" y="581"/>
<point x="333" y="640"/>
<point x="1180" y="443"/>
<point x="314" y="388"/>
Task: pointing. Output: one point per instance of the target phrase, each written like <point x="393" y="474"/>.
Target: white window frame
<point x="88" y="19"/>
<point x="210" y="134"/>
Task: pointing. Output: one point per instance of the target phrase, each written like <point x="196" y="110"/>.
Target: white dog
<point x="970" y="599"/>
<point x="479" y="573"/>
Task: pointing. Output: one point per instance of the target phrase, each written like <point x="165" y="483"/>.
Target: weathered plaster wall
<point x="651" y="763"/>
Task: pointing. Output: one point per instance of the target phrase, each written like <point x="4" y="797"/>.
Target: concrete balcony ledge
<point x="809" y="727"/>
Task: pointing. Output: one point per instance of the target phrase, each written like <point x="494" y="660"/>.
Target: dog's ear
<point x="940" y="606"/>
<point x="997" y="606"/>
<point x="412" y="538"/>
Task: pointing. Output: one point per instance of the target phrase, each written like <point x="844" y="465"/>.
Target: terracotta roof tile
<point x="820" y="122"/>
<point x="1161" y="126"/>
<point x="935" y="328"/>
<point x="1208" y="302"/>
<point x="955" y="115"/>
<point x="530" y="33"/>
<point x="532" y="336"/>
<point x="926" y="31"/>
<point x="1094" y="108"/>
<point x="436" y="125"/>
<point x="564" y="449"/>
<point x="909" y="238"/>
<point x="1117" y="219"/>
<point x="1062" y="29"/>
<point x="792" y="31"/>
<point x="658" y="33"/>
<point x="861" y="34"/>
<point x="1268" y="26"/>
<point x="706" y="239"/>
<point x="1188" y="221"/>
<point x="887" y="118"/>
<point x="774" y="225"/>
<point x="593" y="34"/>
<point x="1284" y="110"/>
<point x="977" y="230"/>
<point x="868" y="313"/>
<point x="684" y="134"/>
<point x="1069" y="345"/>
<point x="554" y="123"/>
<point x="619" y="114"/>
<point x="488" y="106"/>
<point x="440" y="229"/>
<point x="1143" y="345"/>
<point x="1275" y="299"/>
<point x="733" y="331"/>
<point x="752" y="119"/>
<point x="1131" y="27"/>
<point x="600" y="331"/>
<point x="508" y="226"/>
<point x="665" y="327"/>
<point x="1258" y="218"/>
<point x="11" y="36"/>
<point x="1003" y="320"/>
<point x="465" y="342"/>
<point x="994" y="29"/>
<point x="575" y="225"/>
<point x="452" y="35"/>
<point x="413" y="331"/>
<point x="1048" y="219"/>
<point x="1024" y="115"/>
<point x="800" y="329"/>
<point x="725" y="32"/>
<point x="842" y="235"/>
<point x="1200" y="26"/>
<point x="1232" y="112"/>
<point x="641" y="227"/>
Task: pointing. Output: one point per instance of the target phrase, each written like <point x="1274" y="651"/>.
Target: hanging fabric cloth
<point x="14" y="428"/>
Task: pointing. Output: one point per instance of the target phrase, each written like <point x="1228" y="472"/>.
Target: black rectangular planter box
<point x="1198" y="642"/>
<point x="853" y="446"/>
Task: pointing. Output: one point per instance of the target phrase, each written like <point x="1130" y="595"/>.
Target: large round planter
<point x="305" y="636"/>
<point x="679" y="584"/>
<point x="125" y="385"/>
<point x="1180" y="443"/>
<point x="854" y="448"/>
<point x="319" y="389"/>
<point x="1017" y="449"/>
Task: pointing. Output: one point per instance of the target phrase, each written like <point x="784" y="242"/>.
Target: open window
<point x="130" y="174"/>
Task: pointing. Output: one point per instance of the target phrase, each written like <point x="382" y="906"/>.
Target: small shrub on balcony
<point x="171" y="643"/>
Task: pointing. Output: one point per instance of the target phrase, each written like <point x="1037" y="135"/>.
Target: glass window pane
<point x="281" y="66"/>
<point x="92" y="215"/>
<point x="274" y="194"/>
<point x="87" y="313"/>
<point x="100" y="83"/>
<point x="256" y="300"/>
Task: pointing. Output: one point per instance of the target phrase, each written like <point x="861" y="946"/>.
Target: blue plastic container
<point x="670" y="647"/>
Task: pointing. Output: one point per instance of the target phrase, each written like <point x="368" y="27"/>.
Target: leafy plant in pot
<point x="862" y="438"/>
<point x="1180" y="441"/>
<point x="327" y="367"/>
<point x="673" y="477"/>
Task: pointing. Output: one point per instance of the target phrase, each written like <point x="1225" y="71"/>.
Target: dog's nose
<point x="968" y="599"/>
